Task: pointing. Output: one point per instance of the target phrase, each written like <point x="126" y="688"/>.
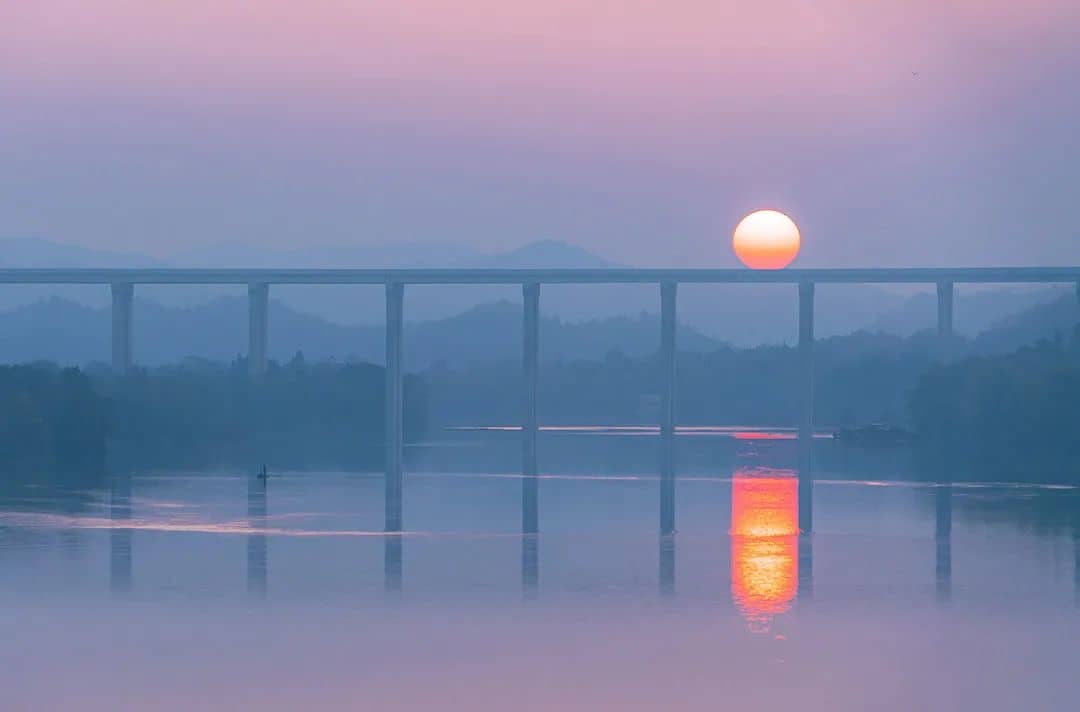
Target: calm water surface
<point x="209" y="591"/>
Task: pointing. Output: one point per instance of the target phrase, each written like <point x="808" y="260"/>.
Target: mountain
<point x="347" y="305"/>
<point x="1060" y="317"/>
<point x="743" y="314"/>
<point x="402" y="254"/>
<point x="36" y="252"/>
<point x="545" y="254"/>
<point x="22" y="252"/>
<point x="973" y="311"/>
<point x="70" y="333"/>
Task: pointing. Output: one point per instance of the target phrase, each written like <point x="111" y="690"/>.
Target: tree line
<point x="197" y="414"/>
<point x="1014" y="416"/>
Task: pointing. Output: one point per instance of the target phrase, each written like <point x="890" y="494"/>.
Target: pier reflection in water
<point x="771" y="561"/>
<point x="257" y="556"/>
<point x="530" y="565"/>
<point x="667" y="564"/>
<point x="765" y="550"/>
<point x="943" y="505"/>
<point x="393" y="552"/>
<point x="120" y="536"/>
<point x="613" y="611"/>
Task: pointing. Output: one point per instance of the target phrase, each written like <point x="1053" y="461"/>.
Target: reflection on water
<point x="943" y="507"/>
<point x="120" y="537"/>
<point x="530" y="565"/>
<point x="1075" y="531"/>
<point x="764" y="544"/>
<point x="393" y="552"/>
<point x="667" y="564"/>
<point x="615" y="625"/>
<point x="805" y="567"/>
<point x="736" y="432"/>
<point x="256" y="541"/>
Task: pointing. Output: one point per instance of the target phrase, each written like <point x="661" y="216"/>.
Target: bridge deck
<point x="544" y="276"/>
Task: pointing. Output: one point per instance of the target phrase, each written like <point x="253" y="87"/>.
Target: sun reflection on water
<point x="764" y="544"/>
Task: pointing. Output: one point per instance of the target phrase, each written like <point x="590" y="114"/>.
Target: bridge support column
<point x="258" y="322"/>
<point x="806" y="406"/>
<point x="123" y="294"/>
<point x="530" y="364"/>
<point x="668" y="291"/>
<point x="945" y="319"/>
<point x="395" y="298"/>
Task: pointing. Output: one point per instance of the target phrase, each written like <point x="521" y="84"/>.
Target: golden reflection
<point x="764" y="543"/>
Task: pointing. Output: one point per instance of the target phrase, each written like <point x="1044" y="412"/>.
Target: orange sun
<point x="766" y="239"/>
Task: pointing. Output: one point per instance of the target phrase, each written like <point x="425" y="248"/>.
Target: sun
<point x="766" y="239"/>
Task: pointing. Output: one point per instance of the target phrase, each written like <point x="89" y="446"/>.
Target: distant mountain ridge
<point x="745" y="315"/>
<point x="37" y="252"/>
<point x="66" y="332"/>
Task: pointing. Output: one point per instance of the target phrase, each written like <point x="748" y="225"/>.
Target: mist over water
<point x="212" y="590"/>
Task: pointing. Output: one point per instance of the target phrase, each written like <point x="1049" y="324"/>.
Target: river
<point x="212" y="590"/>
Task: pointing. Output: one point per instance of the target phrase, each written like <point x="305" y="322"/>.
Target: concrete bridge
<point x="123" y="281"/>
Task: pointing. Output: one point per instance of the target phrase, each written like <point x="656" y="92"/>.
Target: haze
<point x="907" y="134"/>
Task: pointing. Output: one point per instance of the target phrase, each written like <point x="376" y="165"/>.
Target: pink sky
<point x="575" y="120"/>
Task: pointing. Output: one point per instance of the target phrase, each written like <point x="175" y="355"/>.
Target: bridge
<point x="123" y="281"/>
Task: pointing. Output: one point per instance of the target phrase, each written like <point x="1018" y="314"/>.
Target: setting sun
<point x="766" y="239"/>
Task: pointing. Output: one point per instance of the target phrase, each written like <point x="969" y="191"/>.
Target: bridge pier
<point x="945" y="318"/>
<point x="395" y="298"/>
<point x="258" y="323"/>
<point x="123" y="294"/>
<point x="668" y="291"/>
<point x="530" y="364"/>
<point x="806" y="406"/>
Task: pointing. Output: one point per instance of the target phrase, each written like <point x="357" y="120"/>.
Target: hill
<point x="69" y="333"/>
<point x="745" y="315"/>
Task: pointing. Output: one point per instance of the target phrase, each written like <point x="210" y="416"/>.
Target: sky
<point x="914" y="133"/>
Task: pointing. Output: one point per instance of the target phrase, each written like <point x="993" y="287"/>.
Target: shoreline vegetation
<point x="1012" y="416"/>
<point x="77" y="424"/>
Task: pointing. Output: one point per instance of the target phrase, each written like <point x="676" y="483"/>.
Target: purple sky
<point x="642" y="131"/>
